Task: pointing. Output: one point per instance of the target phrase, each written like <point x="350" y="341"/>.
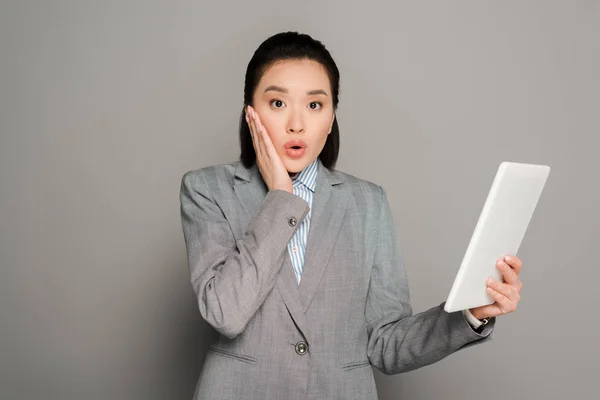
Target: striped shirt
<point x="304" y="186"/>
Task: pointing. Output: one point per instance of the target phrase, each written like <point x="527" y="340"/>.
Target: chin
<point x="295" y="166"/>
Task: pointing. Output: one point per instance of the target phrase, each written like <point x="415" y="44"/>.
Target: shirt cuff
<point x="474" y="322"/>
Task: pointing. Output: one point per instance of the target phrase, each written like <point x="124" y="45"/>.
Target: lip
<point x="294" y="142"/>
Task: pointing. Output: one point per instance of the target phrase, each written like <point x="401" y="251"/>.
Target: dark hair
<point x="289" y="46"/>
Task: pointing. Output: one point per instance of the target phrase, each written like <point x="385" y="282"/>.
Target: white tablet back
<point x="499" y="231"/>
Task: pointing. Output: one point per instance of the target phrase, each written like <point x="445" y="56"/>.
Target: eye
<point x="315" y="105"/>
<point x="277" y="103"/>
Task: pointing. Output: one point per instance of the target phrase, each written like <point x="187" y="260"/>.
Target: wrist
<point x="476" y="313"/>
<point x="476" y="323"/>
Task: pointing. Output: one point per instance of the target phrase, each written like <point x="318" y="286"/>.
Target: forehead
<point x="296" y="74"/>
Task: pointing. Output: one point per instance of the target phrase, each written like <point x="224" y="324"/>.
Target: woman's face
<point x="293" y="100"/>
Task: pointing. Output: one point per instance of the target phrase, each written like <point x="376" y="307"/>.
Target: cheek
<point x="321" y="125"/>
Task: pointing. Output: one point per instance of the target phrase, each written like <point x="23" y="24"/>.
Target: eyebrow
<point x="276" y="88"/>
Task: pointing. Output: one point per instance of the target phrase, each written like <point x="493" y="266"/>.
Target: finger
<point x="509" y="274"/>
<point x="497" y="287"/>
<point x="502" y="301"/>
<point x="269" y="148"/>
<point x="260" y="136"/>
<point x="256" y="116"/>
<point x="514" y="262"/>
<point x="490" y="310"/>
<point x="247" y="116"/>
<point x="509" y="291"/>
<point x="253" y="136"/>
<point x="266" y="139"/>
<point x="256" y="136"/>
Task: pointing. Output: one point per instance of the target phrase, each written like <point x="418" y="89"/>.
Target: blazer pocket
<point x="239" y="357"/>
<point x="354" y="365"/>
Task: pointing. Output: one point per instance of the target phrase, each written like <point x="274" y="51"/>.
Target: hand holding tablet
<point x="499" y="232"/>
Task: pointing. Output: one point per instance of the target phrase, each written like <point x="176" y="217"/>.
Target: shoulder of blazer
<point x="211" y="174"/>
<point x="363" y="186"/>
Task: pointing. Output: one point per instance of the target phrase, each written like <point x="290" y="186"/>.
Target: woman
<point x="296" y="265"/>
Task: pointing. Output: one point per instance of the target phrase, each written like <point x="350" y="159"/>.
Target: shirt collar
<point x="308" y="176"/>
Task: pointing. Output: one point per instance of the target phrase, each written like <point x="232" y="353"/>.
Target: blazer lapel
<point x="327" y="215"/>
<point x="287" y="285"/>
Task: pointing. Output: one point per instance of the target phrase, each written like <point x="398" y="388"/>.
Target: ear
<point x="331" y="124"/>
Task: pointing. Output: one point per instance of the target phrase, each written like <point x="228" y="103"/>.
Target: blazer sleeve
<point x="398" y="340"/>
<point x="231" y="278"/>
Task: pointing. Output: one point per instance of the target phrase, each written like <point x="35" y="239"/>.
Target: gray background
<point x="104" y="106"/>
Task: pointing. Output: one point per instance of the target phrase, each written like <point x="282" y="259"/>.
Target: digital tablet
<point x="502" y="223"/>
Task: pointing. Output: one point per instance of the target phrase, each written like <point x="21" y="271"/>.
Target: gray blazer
<point x="277" y="340"/>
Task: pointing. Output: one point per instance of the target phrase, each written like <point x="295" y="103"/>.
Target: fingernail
<point x="508" y="258"/>
<point x="489" y="281"/>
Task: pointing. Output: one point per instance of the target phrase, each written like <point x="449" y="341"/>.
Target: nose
<point x="295" y="123"/>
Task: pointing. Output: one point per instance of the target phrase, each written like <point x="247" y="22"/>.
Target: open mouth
<point x="295" y="147"/>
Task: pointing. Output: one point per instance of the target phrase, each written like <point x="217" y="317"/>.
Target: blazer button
<point x="301" y="348"/>
<point x="292" y="221"/>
